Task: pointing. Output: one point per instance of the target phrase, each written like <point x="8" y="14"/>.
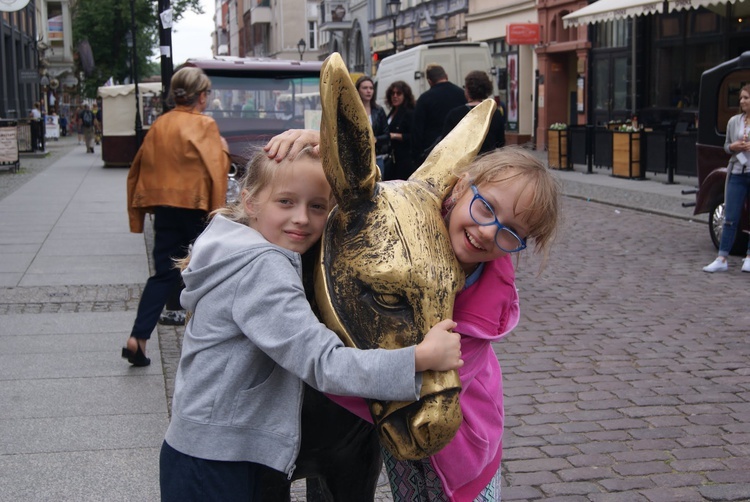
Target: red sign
<point x="522" y="34"/>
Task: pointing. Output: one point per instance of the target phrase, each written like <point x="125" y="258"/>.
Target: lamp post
<point x="393" y="7"/>
<point x="301" y="46"/>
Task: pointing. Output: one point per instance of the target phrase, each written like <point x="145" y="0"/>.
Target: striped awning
<point x="609" y="10"/>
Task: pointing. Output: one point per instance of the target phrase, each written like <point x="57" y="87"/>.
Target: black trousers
<point x="183" y="478"/>
<point x="174" y="230"/>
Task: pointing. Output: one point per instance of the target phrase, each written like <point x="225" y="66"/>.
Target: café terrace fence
<point x="660" y="150"/>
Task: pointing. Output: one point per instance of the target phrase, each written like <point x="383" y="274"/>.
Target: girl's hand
<point x="440" y="350"/>
<point x="291" y="142"/>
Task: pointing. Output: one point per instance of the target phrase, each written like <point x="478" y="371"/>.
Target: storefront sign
<point x="8" y="143"/>
<point x="522" y="34"/>
<point x="28" y="76"/>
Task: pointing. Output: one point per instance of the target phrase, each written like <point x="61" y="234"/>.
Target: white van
<point x="458" y="59"/>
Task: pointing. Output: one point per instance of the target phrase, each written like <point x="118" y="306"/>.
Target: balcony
<point x="260" y="13"/>
<point x="335" y="15"/>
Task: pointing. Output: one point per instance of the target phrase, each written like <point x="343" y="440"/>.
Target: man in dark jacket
<point x="432" y="108"/>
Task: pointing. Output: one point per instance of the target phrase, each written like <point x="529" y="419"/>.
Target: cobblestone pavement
<point x="627" y="378"/>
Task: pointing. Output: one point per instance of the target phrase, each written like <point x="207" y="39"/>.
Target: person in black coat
<point x="432" y="108"/>
<point x="400" y="100"/>
<point x="478" y="87"/>
<point x="378" y="120"/>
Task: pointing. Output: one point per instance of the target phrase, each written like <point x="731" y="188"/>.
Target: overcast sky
<point x="191" y="37"/>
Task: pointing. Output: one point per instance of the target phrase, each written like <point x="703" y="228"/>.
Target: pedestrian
<point x="76" y="122"/>
<point x="400" y="100"/>
<point x="253" y="340"/>
<point x="737" y="186"/>
<point x="501" y="201"/>
<point x="63" y="125"/>
<point x="179" y="175"/>
<point x="35" y="113"/>
<point x="477" y="88"/>
<point x="431" y="109"/>
<point x="87" y="119"/>
<point x="378" y="120"/>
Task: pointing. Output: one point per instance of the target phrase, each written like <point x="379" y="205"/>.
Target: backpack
<point x="87" y="118"/>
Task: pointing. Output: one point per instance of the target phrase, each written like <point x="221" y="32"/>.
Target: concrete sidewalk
<point x="76" y="421"/>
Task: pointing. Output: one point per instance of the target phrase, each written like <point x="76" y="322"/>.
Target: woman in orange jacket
<point x="179" y="175"/>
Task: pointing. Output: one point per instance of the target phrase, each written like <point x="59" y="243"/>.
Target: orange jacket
<point x="181" y="163"/>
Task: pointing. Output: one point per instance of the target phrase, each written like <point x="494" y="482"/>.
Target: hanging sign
<point x="522" y="34"/>
<point x="12" y="5"/>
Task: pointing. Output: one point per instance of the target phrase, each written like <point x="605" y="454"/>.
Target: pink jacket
<point x="485" y="312"/>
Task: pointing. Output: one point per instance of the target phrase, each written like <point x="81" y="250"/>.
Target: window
<point x="312" y="35"/>
<point x="256" y="104"/>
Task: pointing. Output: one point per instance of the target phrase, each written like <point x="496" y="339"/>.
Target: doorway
<point x="611" y="87"/>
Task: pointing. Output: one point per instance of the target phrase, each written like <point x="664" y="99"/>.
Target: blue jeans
<point x="738" y="188"/>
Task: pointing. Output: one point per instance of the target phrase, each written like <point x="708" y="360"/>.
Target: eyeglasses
<point x="483" y="215"/>
<point x="397" y="93"/>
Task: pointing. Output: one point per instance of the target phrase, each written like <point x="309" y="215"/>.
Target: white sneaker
<point x="719" y="265"/>
<point x="746" y="264"/>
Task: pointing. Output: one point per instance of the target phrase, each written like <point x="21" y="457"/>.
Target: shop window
<point x="705" y="22"/>
<point x="612" y="34"/>
<point x="670" y="27"/>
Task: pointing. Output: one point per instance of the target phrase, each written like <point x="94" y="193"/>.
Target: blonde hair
<point x="260" y="172"/>
<point x="187" y="84"/>
<point x="543" y="213"/>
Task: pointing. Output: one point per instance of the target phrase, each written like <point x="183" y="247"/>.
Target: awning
<point x="608" y="10"/>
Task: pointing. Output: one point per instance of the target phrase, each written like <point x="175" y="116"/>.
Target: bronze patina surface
<point x="387" y="272"/>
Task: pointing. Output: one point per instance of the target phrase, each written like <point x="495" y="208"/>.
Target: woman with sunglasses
<point x="179" y="175"/>
<point x="400" y="100"/>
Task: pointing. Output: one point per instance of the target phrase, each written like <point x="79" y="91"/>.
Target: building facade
<point x="20" y="79"/>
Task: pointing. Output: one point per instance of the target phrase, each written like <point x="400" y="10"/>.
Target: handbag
<point x="385" y="163"/>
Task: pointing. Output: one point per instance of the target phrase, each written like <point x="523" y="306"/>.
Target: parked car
<point x="253" y="99"/>
<point x="719" y="100"/>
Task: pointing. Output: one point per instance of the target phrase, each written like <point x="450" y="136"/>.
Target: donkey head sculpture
<point x="387" y="272"/>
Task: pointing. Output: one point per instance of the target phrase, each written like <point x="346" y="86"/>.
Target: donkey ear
<point x="347" y="145"/>
<point x="456" y="150"/>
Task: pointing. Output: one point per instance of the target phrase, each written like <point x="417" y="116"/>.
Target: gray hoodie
<point x="251" y="342"/>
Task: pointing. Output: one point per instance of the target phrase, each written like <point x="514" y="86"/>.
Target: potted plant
<point x="626" y="152"/>
<point x="557" y="146"/>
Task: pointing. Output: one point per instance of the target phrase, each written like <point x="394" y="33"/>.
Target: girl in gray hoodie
<point x="253" y="340"/>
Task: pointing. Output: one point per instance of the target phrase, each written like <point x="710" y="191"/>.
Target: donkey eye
<point x="389" y="301"/>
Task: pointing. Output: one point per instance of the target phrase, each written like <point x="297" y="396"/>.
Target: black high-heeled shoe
<point x="137" y="358"/>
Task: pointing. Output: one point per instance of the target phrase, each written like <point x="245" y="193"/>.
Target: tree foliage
<point x="105" y="24"/>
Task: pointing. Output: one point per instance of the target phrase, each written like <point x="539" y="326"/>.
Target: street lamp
<point x="301" y="45"/>
<point x="393" y="7"/>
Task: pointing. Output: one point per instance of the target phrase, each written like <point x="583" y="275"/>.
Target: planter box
<point x="557" y="149"/>
<point x="626" y="154"/>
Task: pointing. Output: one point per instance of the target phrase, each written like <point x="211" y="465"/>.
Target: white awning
<point x="608" y="10"/>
